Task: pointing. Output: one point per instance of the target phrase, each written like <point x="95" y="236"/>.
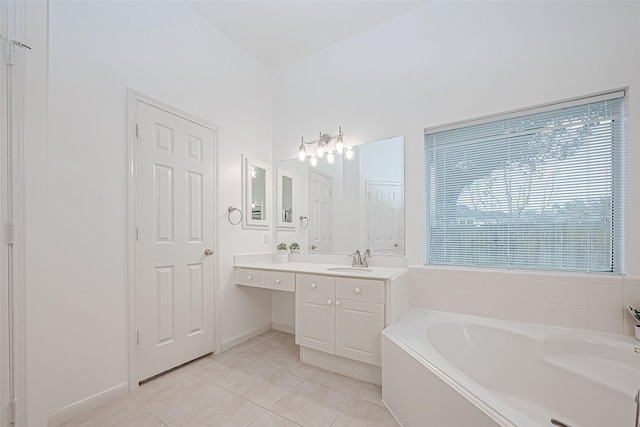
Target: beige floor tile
<point x="171" y="395"/>
<point x="223" y="410"/>
<point x="265" y="389"/>
<point x="269" y="334"/>
<point x="122" y="412"/>
<point x="371" y="393"/>
<point x="312" y="405"/>
<point x="244" y="345"/>
<point x="361" y="413"/>
<point x="336" y="381"/>
<point x="218" y="372"/>
<point x="269" y="419"/>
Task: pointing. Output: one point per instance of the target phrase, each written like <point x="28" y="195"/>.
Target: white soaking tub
<point x="444" y="369"/>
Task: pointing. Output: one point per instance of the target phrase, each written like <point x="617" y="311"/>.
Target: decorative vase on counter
<point x="294" y="248"/>
<point x="283" y="252"/>
<point x="283" y="255"/>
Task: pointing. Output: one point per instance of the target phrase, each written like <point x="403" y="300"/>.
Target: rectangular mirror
<point x="257" y="194"/>
<point x="350" y="204"/>
<point x="284" y="195"/>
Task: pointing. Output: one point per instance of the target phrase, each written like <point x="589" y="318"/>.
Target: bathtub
<point x="444" y="369"/>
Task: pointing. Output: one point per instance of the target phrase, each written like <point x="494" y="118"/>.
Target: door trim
<point x="133" y="98"/>
<point x="13" y="300"/>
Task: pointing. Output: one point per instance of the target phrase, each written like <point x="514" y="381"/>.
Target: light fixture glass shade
<point x="339" y="145"/>
<point x="320" y="149"/>
<point x="313" y="161"/>
<point x="301" y="152"/>
<point x="349" y="153"/>
<point x="331" y="157"/>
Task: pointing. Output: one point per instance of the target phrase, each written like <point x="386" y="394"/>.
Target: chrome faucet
<point x="367" y="254"/>
<point x="359" y="260"/>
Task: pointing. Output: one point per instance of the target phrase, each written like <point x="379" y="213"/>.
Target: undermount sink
<point x="349" y="269"/>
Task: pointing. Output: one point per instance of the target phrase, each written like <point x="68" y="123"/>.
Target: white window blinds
<point x="536" y="191"/>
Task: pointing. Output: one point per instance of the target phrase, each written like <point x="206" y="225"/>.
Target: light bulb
<point x="320" y="150"/>
<point x="313" y="161"/>
<point x="301" y="152"/>
<point x="349" y="153"/>
<point x="331" y="157"/>
<point x="339" y="141"/>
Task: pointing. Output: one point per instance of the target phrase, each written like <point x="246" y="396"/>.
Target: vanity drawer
<point x="317" y="285"/>
<point x="360" y="289"/>
<point x="250" y="277"/>
<point x="280" y="280"/>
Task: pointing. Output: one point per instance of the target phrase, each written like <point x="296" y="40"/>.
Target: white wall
<point x="451" y="61"/>
<point x="77" y="178"/>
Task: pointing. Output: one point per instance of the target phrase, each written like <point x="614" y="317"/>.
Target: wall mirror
<point x="257" y="194"/>
<point x="284" y="195"/>
<point x="350" y="204"/>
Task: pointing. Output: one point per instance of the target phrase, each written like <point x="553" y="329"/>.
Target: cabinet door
<point x="358" y="327"/>
<point x="315" y="322"/>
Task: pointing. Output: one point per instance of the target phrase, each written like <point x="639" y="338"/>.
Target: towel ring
<point x="304" y="222"/>
<point x="230" y="210"/>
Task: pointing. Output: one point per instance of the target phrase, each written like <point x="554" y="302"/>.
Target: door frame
<point x="133" y="98"/>
<point x="13" y="335"/>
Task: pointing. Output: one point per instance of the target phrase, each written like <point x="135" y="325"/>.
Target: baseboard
<point x="283" y="328"/>
<point x="84" y="405"/>
<point x="238" y="339"/>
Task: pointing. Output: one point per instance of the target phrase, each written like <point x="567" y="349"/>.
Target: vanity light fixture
<point x="324" y="149"/>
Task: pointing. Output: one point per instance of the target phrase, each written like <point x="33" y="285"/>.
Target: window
<point x="537" y="189"/>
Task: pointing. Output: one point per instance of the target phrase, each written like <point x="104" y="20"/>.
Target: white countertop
<point x="383" y="273"/>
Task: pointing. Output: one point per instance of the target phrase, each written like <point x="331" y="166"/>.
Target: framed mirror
<point x="350" y="204"/>
<point x="284" y="195"/>
<point x="257" y="194"/>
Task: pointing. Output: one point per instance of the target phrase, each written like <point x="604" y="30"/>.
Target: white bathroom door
<point x="175" y="274"/>
<point x="320" y="207"/>
<point x="385" y="217"/>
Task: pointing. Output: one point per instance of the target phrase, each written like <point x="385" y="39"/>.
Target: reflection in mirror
<point x="284" y="194"/>
<point x="351" y="204"/>
<point x="287" y="199"/>
<point x="258" y="189"/>
<point x="257" y="194"/>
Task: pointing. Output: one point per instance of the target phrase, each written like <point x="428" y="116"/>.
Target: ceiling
<point x="280" y="32"/>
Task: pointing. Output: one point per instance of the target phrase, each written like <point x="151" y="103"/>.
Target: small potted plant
<point x="283" y="252"/>
<point x="295" y="248"/>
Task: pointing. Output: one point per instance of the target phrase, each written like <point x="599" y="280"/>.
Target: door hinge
<point x="11" y="411"/>
<point x="11" y="233"/>
<point x="137" y="131"/>
<point x="137" y="337"/>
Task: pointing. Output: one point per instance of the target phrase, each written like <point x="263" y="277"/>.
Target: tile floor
<point x="260" y="383"/>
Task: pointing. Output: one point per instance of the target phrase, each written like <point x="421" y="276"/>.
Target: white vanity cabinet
<point x="340" y="316"/>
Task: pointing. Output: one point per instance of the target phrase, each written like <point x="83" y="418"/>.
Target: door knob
<point x="208" y="252"/>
